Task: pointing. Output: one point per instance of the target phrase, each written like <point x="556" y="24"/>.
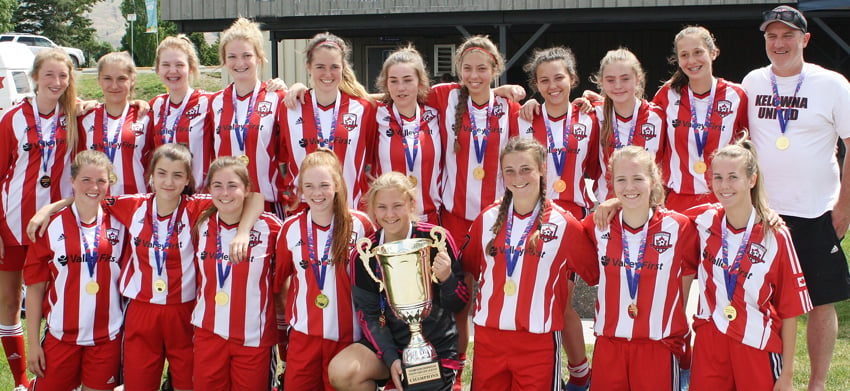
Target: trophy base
<point x="422" y="376"/>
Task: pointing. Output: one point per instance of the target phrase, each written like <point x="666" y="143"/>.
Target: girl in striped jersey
<point x="391" y="202"/>
<point x="234" y="316"/>
<point x="408" y="131"/>
<point x="641" y="261"/>
<point x="116" y="128"/>
<point x="336" y="113"/>
<point x="313" y="268"/>
<point x="72" y="273"/>
<point x="244" y="117"/>
<point x="518" y="250"/>
<point x="751" y="287"/>
<point x="38" y="136"/>
<point x="703" y="113"/>
<point x="572" y="140"/>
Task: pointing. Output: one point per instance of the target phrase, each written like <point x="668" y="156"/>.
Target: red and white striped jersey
<point x="133" y="145"/>
<point x="728" y="118"/>
<point x="140" y="274"/>
<point x="770" y="285"/>
<point x="336" y="321"/>
<point x="185" y="125"/>
<point x="670" y="248"/>
<point x="582" y="152"/>
<point x="236" y="301"/>
<point x="538" y="303"/>
<point x="353" y="139"/>
<point x="74" y="315"/>
<point x="21" y="191"/>
<point x="463" y="195"/>
<point x="426" y="154"/>
<point x="262" y="137"/>
<point x="649" y="133"/>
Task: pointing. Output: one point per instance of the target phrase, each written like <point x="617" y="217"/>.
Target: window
<point x="444" y="58"/>
<point x="22" y="83"/>
<point x="27" y="41"/>
<point x="42" y="42"/>
<point x="7" y="38"/>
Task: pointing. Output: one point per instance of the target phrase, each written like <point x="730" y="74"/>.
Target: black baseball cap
<point x="785" y="14"/>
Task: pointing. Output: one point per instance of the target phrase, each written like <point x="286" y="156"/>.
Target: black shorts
<point x="821" y="257"/>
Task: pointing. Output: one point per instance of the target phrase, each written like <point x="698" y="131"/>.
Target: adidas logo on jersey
<point x="606" y="236"/>
<point x="60" y="238"/>
<point x="299" y="121"/>
<point x="300" y="243"/>
<point x="111" y="380"/>
<point x="13" y="356"/>
<point x="530" y="130"/>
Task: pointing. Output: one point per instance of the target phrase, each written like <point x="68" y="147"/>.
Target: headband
<point x="495" y="62"/>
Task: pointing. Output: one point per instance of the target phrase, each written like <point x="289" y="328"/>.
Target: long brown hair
<point x="68" y="100"/>
<point x="175" y="152"/>
<point x="625" y="56"/>
<point x="745" y="150"/>
<point x="410" y="56"/>
<point x="539" y="153"/>
<point x="679" y="80"/>
<point x="349" y="83"/>
<point x="343" y="223"/>
<point x="224" y="162"/>
<point x="557" y="53"/>
<point x="480" y="44"/>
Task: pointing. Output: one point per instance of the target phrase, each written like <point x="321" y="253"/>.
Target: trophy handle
<point x="364" y="257"/>
<point x="439" y="243"/>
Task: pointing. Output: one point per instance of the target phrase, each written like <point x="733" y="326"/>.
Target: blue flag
<point x="150" y="6"/>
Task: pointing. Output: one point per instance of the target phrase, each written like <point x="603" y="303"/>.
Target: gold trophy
<point x="405" y="267"/>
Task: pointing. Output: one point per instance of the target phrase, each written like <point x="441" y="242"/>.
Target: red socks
<point x="12" y="338"/>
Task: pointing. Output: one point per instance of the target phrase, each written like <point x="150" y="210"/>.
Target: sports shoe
<point x="20" y="387"/>
<point x="684" y="379"/>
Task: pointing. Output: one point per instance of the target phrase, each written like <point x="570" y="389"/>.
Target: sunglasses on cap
<point x="789" y="16"/>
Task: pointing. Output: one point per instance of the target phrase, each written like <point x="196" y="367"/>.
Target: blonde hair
<point x="180" y="43"/>
<point x="410" y="56"/>
<point x="123" y="61"/>
<point x="68" y="100"/>
<point x="343" y="223"/>
<point x="479" y="44"/>
<point x="243" y="30"/>
<point x="679" y="79"/>
<point x="645" y="160"/>
<point x="558" y="53"/>
<point x="90" y="157"/>
<point x="539" y="153"/>
<point x="349" y="83"/>
<point x="178" y="153"/>
<point x="745" y="151"/>
<point x="391" y="181"/>
<point x="625" y="56"/>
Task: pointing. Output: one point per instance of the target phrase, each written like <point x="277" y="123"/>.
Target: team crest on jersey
<point x="112" y="236"/>
<point x="110" y="201"/>
<point x="724" y="108"/>
<point x="353" y="240"/>
<point x="548" y="232"/>
<point x="498" y="110"/>
<point x="264" y="108"/>
<point x="580" y="131"/>
<point x="255" y="238"/>
<point x="349" y="120"/>
<point x="647" y="131"/>
<point x="193" y="113"/>
<point x="661" y="241"/>
<point x="178" y="226"/>
<point x="429" y="115"/>
<point x="756" y="253"/>
<point x="137" y="128"/>
<point x="63" y="121"/>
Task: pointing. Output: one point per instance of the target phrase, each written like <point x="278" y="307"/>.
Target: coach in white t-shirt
<point x="797" y="112"/>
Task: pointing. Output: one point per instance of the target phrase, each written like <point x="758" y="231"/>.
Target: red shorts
<point x="147" y="344"/>
<point x="681" y="202"/>
<point x="309" y="357"/>
<point x="457" y="226"/>
<point x="633" y="365"/>
<point x="14" y="259"/>
<point x="721" y="363"/>
<point x="516" y="360"/>
<point x="223" y="365"/>
<point x="69" y="365"/>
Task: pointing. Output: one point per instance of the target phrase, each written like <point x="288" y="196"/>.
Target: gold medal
<point x="730" y="312"/>
<point x="700" y="167"/>
<point x="413" y="180"/>
<point x="92" y="287"/>
<point x="244" y="159"/>
<point x="560" y="186"/>
<point x="113" y="178"/>
<point x="782" y="143"/>
<point x="632" y="311"/>
<point x="322" y="300"/>
<point x="221" y="298"/>
<point x="510" y="288"/>
<point x="44" y="181"/>
<point x="478" y="173"/>
<point x="159" y="286"/>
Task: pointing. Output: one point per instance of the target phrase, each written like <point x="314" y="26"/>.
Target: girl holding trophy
<point x="392" y="205"/>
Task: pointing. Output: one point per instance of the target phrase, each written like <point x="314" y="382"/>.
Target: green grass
<point x="147" y="85"/>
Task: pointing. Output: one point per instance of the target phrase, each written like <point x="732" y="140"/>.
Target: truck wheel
<point x="75" y="62"/>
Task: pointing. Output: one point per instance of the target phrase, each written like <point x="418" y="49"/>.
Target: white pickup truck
<point x="15" y="65"/>
<point x="38" y="43"/>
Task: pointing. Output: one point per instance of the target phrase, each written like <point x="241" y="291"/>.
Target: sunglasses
<point x="789" y="16"/>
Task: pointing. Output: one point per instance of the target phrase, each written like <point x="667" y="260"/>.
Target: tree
<point x="7" y="9"/>
<point x="207" y="54"/>
<point x="63" y="21"/>
<point x="143" y="44"/>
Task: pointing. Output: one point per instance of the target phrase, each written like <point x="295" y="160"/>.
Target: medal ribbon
<point x="49" y="143"/>
<point x="559" y="155"/>
<point x="219" y="256"/>
<point x="111" y="146"/>
<point x="618" y="144"/>
<point x="783" y="115"/>
<point x="160" y="252"/>
<point x="242" y="130"/>
<point x="168" y="134"/>
<point x="409" y="153"/>
<point x="730" y="274"/>
<point x="329" y="142"/>
<point x="91" y="254"/>
<point x="701" y="137"/>
<point x="634" y="278"/>
<point x="315" y="262"/>
<point x="512" y="253"/>
<point x="480" y="146"/>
